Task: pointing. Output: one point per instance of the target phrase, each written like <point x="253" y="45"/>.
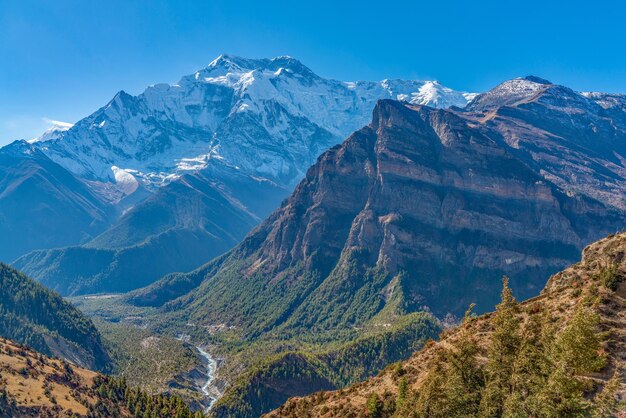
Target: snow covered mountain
<point x="269" y="118"/>
<point x="53" y="132"/>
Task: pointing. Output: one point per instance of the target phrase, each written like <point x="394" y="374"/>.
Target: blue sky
<point x="62" y="60"/>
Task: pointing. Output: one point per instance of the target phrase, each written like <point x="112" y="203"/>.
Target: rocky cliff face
<point x="423" y="208"/>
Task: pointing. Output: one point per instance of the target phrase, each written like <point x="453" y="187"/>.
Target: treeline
<point x="117" y="399"/>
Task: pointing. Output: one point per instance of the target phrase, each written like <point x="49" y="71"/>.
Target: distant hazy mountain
<point x="226" y="143"/>
<point x="179" y="227"/>
<point x="43" y="205"/>
<point x="424" y="208"/>
<point x="33" y="315"/>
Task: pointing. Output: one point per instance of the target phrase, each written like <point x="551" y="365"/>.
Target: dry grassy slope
<point x="25" y="374"/>
<point x="561" y="295"/>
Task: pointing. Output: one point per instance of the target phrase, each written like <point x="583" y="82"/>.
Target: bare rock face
<point x="427" y="208"/>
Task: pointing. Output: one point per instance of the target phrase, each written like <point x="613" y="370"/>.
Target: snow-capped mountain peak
<point x="234" y="66"/>
<point x="53" y="132"/>
<point x="529" y="89"/>
<point x="509" y="92"/>
<point x="268" y="118"/>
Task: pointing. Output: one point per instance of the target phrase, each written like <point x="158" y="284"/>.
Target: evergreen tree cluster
<point x="117" y="399"/>
<point x="267" y="385"/>
<point x="532" y="369"/>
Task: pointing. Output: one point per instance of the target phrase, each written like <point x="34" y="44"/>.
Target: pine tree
<point x="403" y="390"/>
<point x="576" y="350"/>
<point x="454" y="384"/>
<point x="505" y="345"/>
<point x="530" y="369"/>
<point x="579" y="345"/>
<point x="374" y="406"/>
<point x="432" y="399"/>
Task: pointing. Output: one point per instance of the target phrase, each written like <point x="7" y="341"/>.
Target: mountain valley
<point x="257" y="239"/>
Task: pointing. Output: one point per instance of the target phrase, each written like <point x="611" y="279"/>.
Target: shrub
<point x="610" y="277"/>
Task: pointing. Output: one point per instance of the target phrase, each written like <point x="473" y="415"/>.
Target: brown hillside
<point x="40" y="385"/>
<point x="34" y="385"/>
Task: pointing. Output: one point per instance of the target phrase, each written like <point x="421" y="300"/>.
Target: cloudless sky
<point x="62" y="60"/>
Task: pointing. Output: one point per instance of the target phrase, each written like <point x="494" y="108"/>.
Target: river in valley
<point x="211" y="368"/>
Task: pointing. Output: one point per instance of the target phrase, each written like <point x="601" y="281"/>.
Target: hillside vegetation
<point x="306" y="368"/>
<point x="33" y="315"/>
<point x="34" y="385"/>
<point x="560" y="354"/>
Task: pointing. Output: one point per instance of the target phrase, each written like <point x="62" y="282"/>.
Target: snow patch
<point x="124" y="180"/>
<point x="53" y="132"/>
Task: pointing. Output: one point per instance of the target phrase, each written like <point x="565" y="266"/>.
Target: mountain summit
<point x="266" y="117"/>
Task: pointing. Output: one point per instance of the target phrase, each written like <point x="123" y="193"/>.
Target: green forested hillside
<point x="306" y="369"/>
<point x="33" y="315"/>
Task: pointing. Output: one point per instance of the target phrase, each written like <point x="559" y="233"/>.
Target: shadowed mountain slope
<point x="42" y="204"/>
<point x="180" y="226"/>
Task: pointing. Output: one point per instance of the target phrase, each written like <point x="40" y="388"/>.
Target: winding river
<point x="211" y="368"/>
